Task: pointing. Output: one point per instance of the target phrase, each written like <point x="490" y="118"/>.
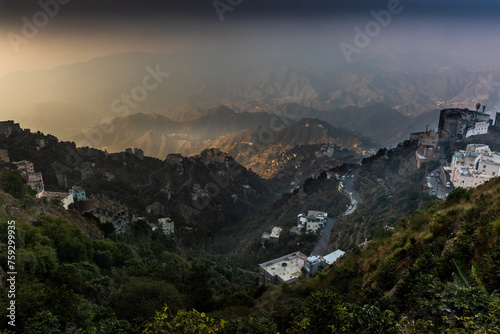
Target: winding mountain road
<point x="323" y="241"/>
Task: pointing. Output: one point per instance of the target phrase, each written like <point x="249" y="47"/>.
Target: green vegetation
<point x="110" y="286"/>
<point x="438" y="271"/>
<point x="391" y="188"/>
<point x="316" y="194"/>
<point x="13" y="184"/>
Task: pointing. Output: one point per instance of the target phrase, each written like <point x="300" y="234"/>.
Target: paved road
<point x="323" y="241"/>
<point x="440" y="190"/>
<point x="348" y="187"/>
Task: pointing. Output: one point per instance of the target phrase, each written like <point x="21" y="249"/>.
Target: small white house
<point x="66" y="198"/>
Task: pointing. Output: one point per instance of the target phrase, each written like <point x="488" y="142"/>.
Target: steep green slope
<point x="69" y="279"/>
<point x="438" y="271"/>
<point x="318" y="193"/>
<point x="391" y="186"/>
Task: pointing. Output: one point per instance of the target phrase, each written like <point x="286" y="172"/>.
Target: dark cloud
<point x="480" y="9"/>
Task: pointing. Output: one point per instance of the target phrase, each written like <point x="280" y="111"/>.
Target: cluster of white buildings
<point x="35" y="180"/>
<point x="455" y="124"/>
<point x="474" y="166"/>
<point x="26" y="169"/>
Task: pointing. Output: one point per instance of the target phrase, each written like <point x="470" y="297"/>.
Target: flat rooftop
<point x="287" y="267"/>
<point x="51" y="194"/>
<point x="332" y="257"/>
<point x="78" y="189"/>
<point x="317" y="214"/>
<point x="275" y="232"/>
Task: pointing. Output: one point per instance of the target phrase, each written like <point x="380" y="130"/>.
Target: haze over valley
<point x="249" y="166"/>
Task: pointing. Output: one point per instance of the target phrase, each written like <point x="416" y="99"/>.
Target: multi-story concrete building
<point x="24" y="167"/>
<point x="474" y="166"/>
<point x="109" y="211"/>
<point x="33" y="177"/>
<point x="316" y="220"/>
<point x="312" y="222"/>
<point x="425" y="138"/>
<point x="9" y="127"/>
<point x="139" y="153"/>
<point x="78" y="193"/>
<point x="167" y="225"/>
<point x="427" y="149"/>
<point x="40" y="143"/>
<point x="288" y="268"/>
<point x="455" y="124"/>
<point x="497" y="120"/>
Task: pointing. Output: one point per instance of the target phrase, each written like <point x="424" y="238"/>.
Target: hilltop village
<point x="468" y="168"/>
<point x="124" y="222"/>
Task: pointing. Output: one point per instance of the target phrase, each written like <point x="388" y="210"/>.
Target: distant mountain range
<point x="67" y="99"/>
<point x="251" y="138"/>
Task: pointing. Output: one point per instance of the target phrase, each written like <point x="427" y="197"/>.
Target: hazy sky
<point x="44" y="34"/>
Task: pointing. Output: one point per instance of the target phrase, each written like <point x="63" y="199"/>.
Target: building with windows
<point x="167" y="225"/>
<point x="139" y="153"/>
<point x="109" y="211"/>
<point x="40" y="143"/>
<point x="474" y="166"/>
<point x="78" y="193"/>
<point x="456" y="124"/>
<point x="312" y="222"/>
<point x="24" y="167"/>
<point x="427" y="149"/>
<point x="9" y="127"/>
